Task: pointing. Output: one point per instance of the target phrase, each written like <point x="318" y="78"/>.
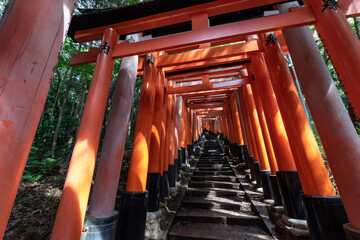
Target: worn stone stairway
<point x="214" y="206"/>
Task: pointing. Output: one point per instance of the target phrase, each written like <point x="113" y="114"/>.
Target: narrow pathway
<point x="215" y="206"/>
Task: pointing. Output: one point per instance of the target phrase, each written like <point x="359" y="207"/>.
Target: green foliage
<point x="30" y="230"/>
<point x="354" y="22"/>
<point x="52" y="194"/>
<point x="20" y="197"/>
<point x="41" y="162"/>
<point x="4" y="4"/>
<point x="59" y="178"/>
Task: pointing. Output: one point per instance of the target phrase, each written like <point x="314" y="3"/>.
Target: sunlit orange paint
<point x="282" y="150"/>
<point x="230" y="124"/>
<point x="78" y="180"/>
<point x="29" y="52"/>
<point x="175" y="132"/>
<point x="188" y="126"/>
<point x="309" y="162"/>
<point x="183" y="124"/>
<point x="154" y="153"/>
<point x="169" y="147"/>
<point x="265" y="131"/>
<point x="249" y="128"/>
<point x="258" y="137"/>
<point x="236" y="120"/>
<point x="139" y="162"/>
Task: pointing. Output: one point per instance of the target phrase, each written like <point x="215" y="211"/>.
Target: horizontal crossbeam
<point x="299" y="17"/>
<point x="207" y="87"/>
<point x="170" y="18"/>
<point x="207" y="54"/>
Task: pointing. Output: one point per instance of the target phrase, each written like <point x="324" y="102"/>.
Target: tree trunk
<point x="357" y="26"/>
<point x="61" y="114"/>
<point x="42" y="116"/>
<point x="61" y="77"/>
<point x="78" y="110"/>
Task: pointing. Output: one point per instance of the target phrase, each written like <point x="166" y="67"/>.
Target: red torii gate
<point x="272" y="77"/>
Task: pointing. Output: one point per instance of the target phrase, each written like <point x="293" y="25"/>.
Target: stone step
<point x="194" y="231"/>
<point x="215" y="178"/>
<point x="215" y="168"/>
<point x="228" y="203"/>
<point x="211" y="157"/>
<point x="218" y="192"/>
<point x="214" y="184"/>
<point x="214" y="173"/>
<point x="217" y="216"/>
<point x="200" y="164"/>
<point x="213" y="162"/>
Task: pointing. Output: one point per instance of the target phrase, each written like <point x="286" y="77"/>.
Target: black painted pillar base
<point x="276" y="191"/>
<point x="234" y="149"/>
<point x="165" y="188"/>
<point x="266" y="185"/>
<point x="172" y="175"/>
<point x="257" y="170"/>
<point x="240" y="153"/>
<point x="291" y="191"/>
<point x="177" y="164"/>
<point x="185" y="160"/>
<point x="246" y="156"/>
<point x="153" y="185"/>
<point x="100" y="227"/>
<point x="325" y="216"/>
<point x="351" y="232"/>
<point x="132" y="216"/>
<point x="251" y="167"/>
<point x="182" y="155"/>
<point x="190" y="149"/>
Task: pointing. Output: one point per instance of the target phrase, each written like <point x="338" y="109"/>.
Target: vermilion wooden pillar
<point x="155" y="167"/>
<point x="264" y="129"/>
<point x="272" y="113"/>
<point x="74" y="199"/>
<point x="170" y="138"/>
<point x="308" y="159"/>
<point x="338" y="136"/>
<point x="224" y="124"/>
<point x="176" y="125"/>
<point x="183" y="124"/>
<point x="242" y="121"/>
<point x="343" y="47"/>
<point x="229" y="124"/>
<point x="236" y="120"/>
<point x="265" y="174"/>
<point x="194" y="123"/>
<point x="287" y="179"/>
<point x="105" y="188"/>
<point x="134" y="204"/>
<point x="258" y="137"/>
<point x="188" y="131"/>
<point x="163" y="147"/>
<point x="26" y="68"/>
<point x="183" y="145"/>
<point x="220" y="125"/>
<point x="248" y="127"/>
<point x="177" y="135"/>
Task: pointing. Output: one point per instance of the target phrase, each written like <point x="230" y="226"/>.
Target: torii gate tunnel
<point x="207" y="66"/>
